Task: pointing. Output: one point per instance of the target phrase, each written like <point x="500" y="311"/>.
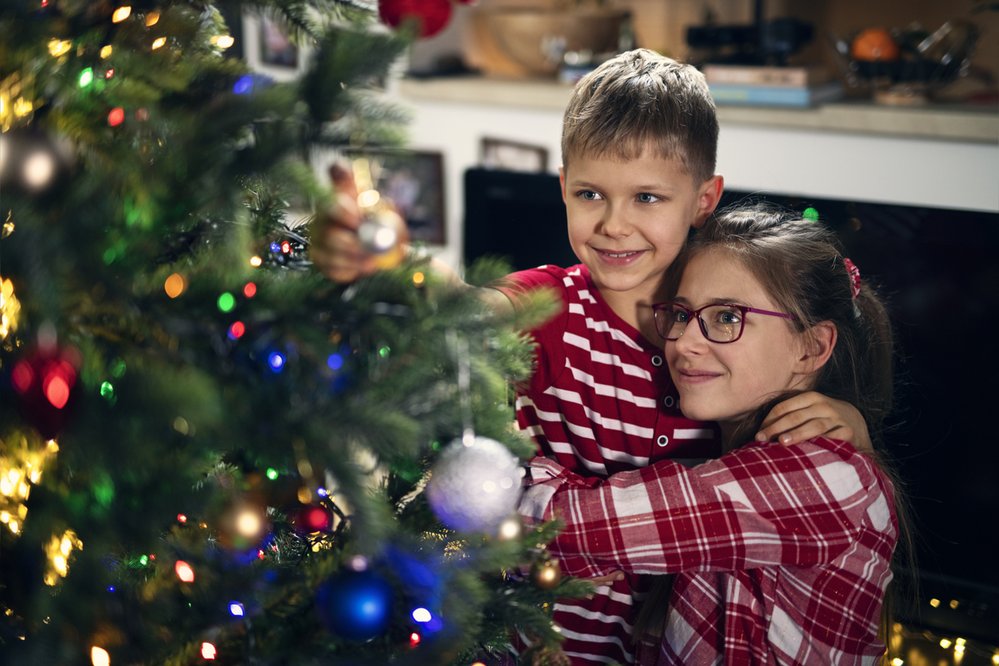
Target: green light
<point x="104" y="491"/>
<point x="384" y="351"/>
<point x="86" y="77"/>
<point x="226" y="302"/>
<point x="272" y="473"/>
<point x="109" y="255"/>
<point x="144" y="560"/>
<point x="118" y="368"/>
<point x="107" y="390"/>
<point x="811" y="214"/>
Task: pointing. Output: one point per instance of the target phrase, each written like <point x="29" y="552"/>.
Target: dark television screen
<point x="939" y="270"/>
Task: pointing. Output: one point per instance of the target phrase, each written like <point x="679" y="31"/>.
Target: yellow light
<point x="960" y="642"/>
<point x="995" y="658"/>
<point x="106" y="51"/>
<point x="158" y="42"/>
<point x="175" y="285"/>
<point x="945" y="643"/>
<point x="897" y="661"/>
<point x="207" y="651"/>
<point x="223" y="41"/>
<point x="256" y="261"/>
<point x="59" y="47"/>
<point x="958" y="649"/>
<point x="152" y="18"/>
<point x="99" y="656"/>
<point x="954" y="603"/>
<point x="249" y="523"/>
<point x="934" y="603"/>
<point x="121" y="14"/>
<point x="419" y="278"/>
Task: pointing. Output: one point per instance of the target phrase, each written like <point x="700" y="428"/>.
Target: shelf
<point x="970" y="124"/>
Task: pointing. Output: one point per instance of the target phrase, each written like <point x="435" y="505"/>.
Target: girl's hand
<point x="813" y="414"/>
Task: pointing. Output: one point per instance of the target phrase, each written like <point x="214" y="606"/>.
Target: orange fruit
<point x="874" y="45"/>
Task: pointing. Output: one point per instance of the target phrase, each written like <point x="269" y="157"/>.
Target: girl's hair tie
<point x="854" y="273"/>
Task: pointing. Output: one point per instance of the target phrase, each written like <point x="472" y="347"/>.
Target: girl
<point x="781" y="553"/>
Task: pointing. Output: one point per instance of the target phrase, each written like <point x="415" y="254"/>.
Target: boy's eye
<point x="588" y="195"/>
<point x="645" y="197"/>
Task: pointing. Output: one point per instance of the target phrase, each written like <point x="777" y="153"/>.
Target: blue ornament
<point x="356" y="605"/>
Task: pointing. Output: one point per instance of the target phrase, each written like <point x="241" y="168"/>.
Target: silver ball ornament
<point x="474" y="487"/>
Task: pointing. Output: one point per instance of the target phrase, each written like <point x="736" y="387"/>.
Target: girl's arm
<point x="760" y="505"/>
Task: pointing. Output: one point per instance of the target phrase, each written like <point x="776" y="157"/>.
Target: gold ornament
<point x="546" y="574"/>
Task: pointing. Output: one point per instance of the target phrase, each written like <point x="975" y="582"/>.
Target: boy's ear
<point x="561" y="181"/>
<point x="708" y="198"/>
<point x="818" y="344"/>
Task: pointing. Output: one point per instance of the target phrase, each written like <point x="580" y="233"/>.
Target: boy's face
<point x="629" y="219"/>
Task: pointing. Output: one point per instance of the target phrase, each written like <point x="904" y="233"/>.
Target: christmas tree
<point x="208" y="451"/>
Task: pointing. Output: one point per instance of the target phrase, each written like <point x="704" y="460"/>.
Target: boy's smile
<point x="628" y="220"/>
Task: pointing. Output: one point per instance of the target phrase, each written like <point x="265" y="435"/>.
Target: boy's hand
<point x="812" y="414"/>
<point x="336" y="249"/>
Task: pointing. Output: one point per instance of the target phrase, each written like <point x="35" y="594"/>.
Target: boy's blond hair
<point x="640" y="99"/>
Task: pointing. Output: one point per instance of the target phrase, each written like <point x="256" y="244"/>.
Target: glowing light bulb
<point x="276" y="361"/>
<point x="249" y="290"/>
<point x="421" y="615"/>
<point x="39" y="168"/>
<point x="256" y="261"/>
<point x="99" y="656"/>
<point x="158" y="43"/>
<point x="175" y="285"/>
<point x="184" y="571"/>
<point x="121" y="14"/>
<point x="208" y="651"/>
<point x="236" y="609"/>
<point x="116" y="116"/>
<point x="86" y="77"/>
<point x="152" y="18"/>
<point x="236" y="330"/>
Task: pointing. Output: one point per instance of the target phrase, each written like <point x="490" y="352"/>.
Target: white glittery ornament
<point x="473" y="488"/>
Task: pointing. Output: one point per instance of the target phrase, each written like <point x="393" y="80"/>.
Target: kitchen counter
<point x="953" y="123"/>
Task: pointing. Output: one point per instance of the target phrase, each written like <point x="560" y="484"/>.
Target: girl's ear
<point x="818" y="344"/>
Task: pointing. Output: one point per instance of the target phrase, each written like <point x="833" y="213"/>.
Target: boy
<point x="639" y="142"/>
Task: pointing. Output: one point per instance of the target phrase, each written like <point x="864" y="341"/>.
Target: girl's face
<point x="726" y="382"/>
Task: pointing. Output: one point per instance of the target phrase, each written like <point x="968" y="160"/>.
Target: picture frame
<point x="413" y="180"/>
<point x="268" y="49"/>
<point x="512" y="155"/>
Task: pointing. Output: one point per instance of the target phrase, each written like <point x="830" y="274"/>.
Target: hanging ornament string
<point x="464" y="371"/>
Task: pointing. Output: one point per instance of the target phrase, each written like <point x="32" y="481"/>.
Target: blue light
<point x="243" y="85"/>
<point x="276" y="248"/>
<point x="236" y="609"/>
<point x="321" y="492"/>
<point x="276" y="361"/>
<point x="112" y="588"/>
<point x="335" y="361"/>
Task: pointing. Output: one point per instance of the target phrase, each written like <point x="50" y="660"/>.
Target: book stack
<point x="797" y="87"/>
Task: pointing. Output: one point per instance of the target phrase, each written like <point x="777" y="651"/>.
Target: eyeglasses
<point x="721" y="323"/>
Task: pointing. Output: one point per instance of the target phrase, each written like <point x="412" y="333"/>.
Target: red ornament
<point x="45" y="384"/>
<point x="431" y="15"/>
<point x="313" y="518"/>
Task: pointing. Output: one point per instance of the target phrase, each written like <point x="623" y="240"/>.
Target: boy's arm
<point x="812" y="414"/>
<point x="337" y="252"/>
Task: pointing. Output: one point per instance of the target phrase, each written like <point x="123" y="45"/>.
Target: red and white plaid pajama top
<point x="600" y="401"/>
<point x="781" y="553"/>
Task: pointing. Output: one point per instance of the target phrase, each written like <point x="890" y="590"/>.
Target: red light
<point x="249" y="290"/>
<point x="237" y="330"/>
<point x="116" y="117"/>
<point x="414" y="639"/>
<point x="22" y="377"/>
<point x="286" y="247"/>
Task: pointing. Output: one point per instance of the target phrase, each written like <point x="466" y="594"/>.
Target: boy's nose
<point x="615" y="223"/>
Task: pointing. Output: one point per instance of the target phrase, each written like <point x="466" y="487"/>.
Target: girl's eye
<point x="728" y="316"/>
<point x="645" y="197"/>
<point x="681" y="316"/>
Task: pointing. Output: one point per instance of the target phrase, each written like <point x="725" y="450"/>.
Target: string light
<point x="256" y="261"/>
<point x="175" y="285"/>
<point x="121" y="14"/>
<point x="57" y="553"/>
<point x="236" y="609"/>
<point x="422" y="615"/>
<point x="236" y="330"/>
<point x="99" y="656"/>
<point x="116" y="116"/>
<point x="59" y="47"/>
<point x="152" y="18"/>
<point x="226" y="302"/>
<point x="184" y="571"/>
<point x="208" y="651"/>
<point x="249" y="290"/>
<point x="158" y="43"/>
